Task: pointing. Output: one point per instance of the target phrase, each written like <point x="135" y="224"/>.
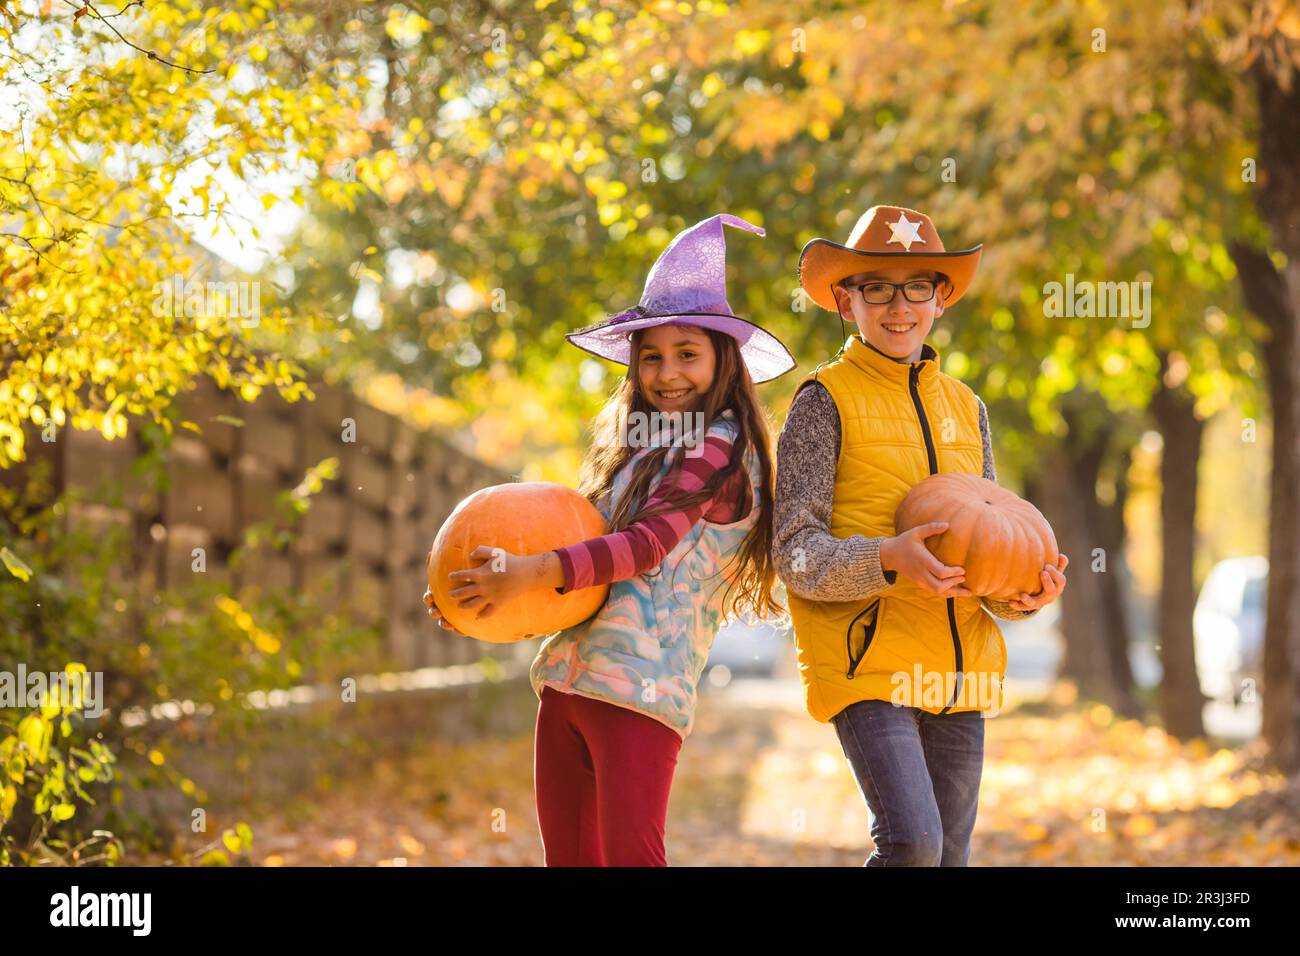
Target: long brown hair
<point x="751" y="573"/>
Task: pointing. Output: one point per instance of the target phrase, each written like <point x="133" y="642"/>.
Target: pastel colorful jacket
<point x="647" y="646"/>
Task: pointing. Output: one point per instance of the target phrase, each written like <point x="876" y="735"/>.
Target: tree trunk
<point x="1267" y="296"/>
<point x="1061" y="492"/>
<point x="1086" y="451"/>
<point x="1108" y="522"/>
<point x="1282" y="718"/>
<point x="1181" y="700"/>
<point x="1275" y="298"/>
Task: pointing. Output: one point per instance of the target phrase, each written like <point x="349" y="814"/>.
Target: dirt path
<point x="761" y="783"/>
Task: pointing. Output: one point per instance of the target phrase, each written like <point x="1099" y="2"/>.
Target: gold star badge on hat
<point x="824" y="263"/>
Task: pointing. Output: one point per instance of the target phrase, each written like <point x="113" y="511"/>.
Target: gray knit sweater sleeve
<point x="812" y="562"/>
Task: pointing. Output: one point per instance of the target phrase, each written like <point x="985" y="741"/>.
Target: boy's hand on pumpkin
<point x="501" y="576"/>
<point x="907" y="554"/>
<point x="1053" y="579"/>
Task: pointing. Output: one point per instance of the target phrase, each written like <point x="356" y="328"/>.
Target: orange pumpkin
<point x="524" y="518"/>
<point x="1001" y="540"/>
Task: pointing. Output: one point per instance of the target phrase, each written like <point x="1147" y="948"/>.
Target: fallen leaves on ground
<point x="760" y="783"/>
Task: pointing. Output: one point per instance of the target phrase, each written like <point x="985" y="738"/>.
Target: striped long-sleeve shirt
<point x="644" y="544"/>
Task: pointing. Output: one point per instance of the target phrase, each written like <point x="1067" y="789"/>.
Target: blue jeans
<point x="920" y="776"/>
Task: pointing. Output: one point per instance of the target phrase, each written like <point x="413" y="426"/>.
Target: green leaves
<point x="36" y="768"/>
<point x="55" y="759"/>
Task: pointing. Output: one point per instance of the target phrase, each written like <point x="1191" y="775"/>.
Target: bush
<point x="174" y="665"/>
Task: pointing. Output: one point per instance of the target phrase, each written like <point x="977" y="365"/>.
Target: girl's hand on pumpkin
<point x="1053" y="580"/>
<point x="434" y="613"/>
<point x="433" y="608"/>
<point x="907" y="554"/>
<point x="501" y="576"/>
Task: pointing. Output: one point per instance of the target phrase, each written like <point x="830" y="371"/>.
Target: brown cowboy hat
<point x="886" y="237"/>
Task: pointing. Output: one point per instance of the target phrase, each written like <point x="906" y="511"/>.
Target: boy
<point x="893" y="650"/>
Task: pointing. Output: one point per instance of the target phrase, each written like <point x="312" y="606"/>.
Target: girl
<point x="680" y="467"/>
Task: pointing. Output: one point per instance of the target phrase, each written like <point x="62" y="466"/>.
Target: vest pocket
<point x="859" y="635"/>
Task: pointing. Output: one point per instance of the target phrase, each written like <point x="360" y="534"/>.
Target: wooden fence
<point x="362" y="543"/>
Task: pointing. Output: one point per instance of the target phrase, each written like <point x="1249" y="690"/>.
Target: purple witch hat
<point x="688" y="285"/>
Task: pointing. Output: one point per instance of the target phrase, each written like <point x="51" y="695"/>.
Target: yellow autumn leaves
<point x="96" y="188"/>
<point x="29" y="757"/>
<point x="262" y="639"/>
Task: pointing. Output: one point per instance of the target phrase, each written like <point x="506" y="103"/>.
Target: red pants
<point x="602" y="776"/>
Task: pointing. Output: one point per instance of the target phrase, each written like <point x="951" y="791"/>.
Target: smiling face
<point x="899" y="328"/>
<point x="675" y="367"/>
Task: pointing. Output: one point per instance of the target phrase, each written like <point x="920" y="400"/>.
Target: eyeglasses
<point x="878" y="292"/>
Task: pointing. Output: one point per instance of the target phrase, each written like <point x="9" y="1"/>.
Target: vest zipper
<point x="933" y="461"/>
<point x="912" y="378"/>
<point x="871" y="633"/>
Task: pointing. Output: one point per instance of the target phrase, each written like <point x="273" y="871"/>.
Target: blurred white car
<point x="1228" y="627"/>
<point x="748" y="649"/>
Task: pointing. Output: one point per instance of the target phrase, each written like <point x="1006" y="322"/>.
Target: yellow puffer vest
<point x="899" y="423"/>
